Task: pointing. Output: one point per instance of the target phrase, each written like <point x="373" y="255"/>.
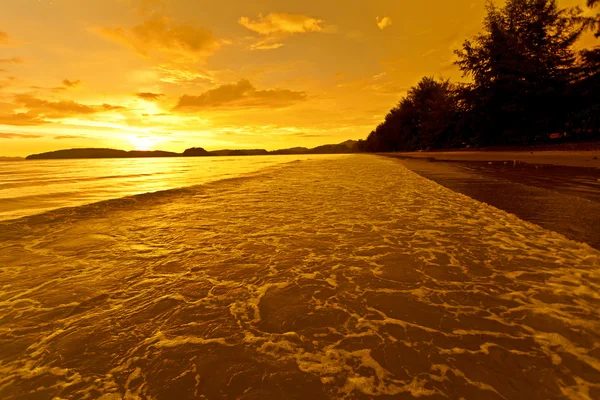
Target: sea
<point x="283" y="277"/>
<point x="36" y="186"/>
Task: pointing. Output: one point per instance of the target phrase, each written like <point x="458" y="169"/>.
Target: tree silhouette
<point x="521" y="65"/>
<point x="528" y="82"/>
<point x="425" y="118"/>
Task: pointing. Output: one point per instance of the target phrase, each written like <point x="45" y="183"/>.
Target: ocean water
<point x="32" y="187"/>
<point x="348" y="277"/>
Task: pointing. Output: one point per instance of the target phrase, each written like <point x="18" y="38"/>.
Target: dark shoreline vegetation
<point x="349" y="146"/>
<point x="529" y="86"/>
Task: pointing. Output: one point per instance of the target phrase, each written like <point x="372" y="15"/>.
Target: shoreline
<point x="566" y="158"/>
<point x="561" y="198"/>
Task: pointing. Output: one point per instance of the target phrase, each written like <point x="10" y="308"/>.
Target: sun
<point x="143" y="143"/>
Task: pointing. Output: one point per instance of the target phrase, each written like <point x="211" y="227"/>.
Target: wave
<point x="77" y="188"/>
<point x="35" y="181"/>
<point x="99" y="208"/>
<point x="299" y="281"/>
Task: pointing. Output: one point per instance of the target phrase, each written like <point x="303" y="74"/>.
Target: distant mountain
<point x="250" y="152"/>
<point x="11" y="159"/>
<point x="99" y="153"/>
<point x="293" y="150"/>
<point x="349" y="146"/>
<point x="195" y="152"/>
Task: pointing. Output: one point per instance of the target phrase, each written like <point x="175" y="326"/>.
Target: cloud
<point x="180" y="74"/>
<point x="4" y="38"/>
<point x="155" y="115"/>
<point x="40" y="111"/>
<point x="67" y="84"/>
<point x="275" y="26"/>
<point x="241" y="94"/>
<point x="13" y="60"/>
<point x="268" y="44"/>
<point x="18" y="136"/>
<point x="149" y="96"/>
<point x="108" y="107"/>
<point x="274" y="23"/>
<point x="71" y="84"/>
<point x="62" y="107"/>
<point x="54" y="89"/>
<point x="383" y="22"/>
<point x="61" y="137"/>
<point x="308" y="135"/>
<point x="21" y="119"/>
<point x="162" y="36"/>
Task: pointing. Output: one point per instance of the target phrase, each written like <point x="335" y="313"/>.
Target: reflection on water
<point x="299" y="282"/>
<point x="31" y="187"/>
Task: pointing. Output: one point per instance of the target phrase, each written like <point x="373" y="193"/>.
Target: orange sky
<point x="173" y="74"/>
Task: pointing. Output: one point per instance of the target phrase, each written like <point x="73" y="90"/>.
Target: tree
<point x="594" y="22"/>
<point x="425" y="118"/>
<point x="521" y="65"/>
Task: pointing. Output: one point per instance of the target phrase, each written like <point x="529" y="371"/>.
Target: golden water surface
<point x="350" y="277"/>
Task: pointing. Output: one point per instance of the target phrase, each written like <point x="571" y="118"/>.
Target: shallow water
<point x="347" y="278"/>
<point x="34" y="186"/>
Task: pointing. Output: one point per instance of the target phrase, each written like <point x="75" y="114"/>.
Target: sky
<point x="175" y="74"/>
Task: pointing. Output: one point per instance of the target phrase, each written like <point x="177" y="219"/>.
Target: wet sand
<point x="582" y="159"/>
<point x="560" y="198"/>
<point x="351" y="278"/>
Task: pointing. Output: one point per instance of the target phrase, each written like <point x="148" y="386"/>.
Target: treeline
<point x="528" y="85"/>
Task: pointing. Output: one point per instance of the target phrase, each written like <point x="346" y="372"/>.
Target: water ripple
<point x="347" y="278"/>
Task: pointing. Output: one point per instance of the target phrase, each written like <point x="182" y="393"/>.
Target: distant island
<point x="349" y="146"/>
<point x="11" y="159"/>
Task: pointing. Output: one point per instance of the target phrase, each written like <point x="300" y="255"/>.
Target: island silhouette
<point x="349" y="146"/>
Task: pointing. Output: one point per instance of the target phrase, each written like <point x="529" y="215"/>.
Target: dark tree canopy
<point x="425" y="118"/>
<point x="527" y="82"/>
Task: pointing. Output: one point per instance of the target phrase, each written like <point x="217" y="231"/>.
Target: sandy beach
<point x="585" y="159"/>
<point x="561" y="198"/>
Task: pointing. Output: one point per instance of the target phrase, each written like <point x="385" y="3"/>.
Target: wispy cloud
<point x="273" y="27"/>
<point x="4" y="38"/>
<point x="66" y="84"/>
<point x="149" y="96"/>
<point x="18" y="136"/>
<point x="61" y="137"/>
<point x="41" y="111"/>
<point x="63" y="107"/>
<point x="13" y="60"/>
<point x="267" y="44"/>
<point x="181" y="74"/>
<point x="241" y="94"/>
<point x="282" y="23"/>
<point x="383" y="22"/>
<point x="71" y="84"/>
<point x="161" y="36"/>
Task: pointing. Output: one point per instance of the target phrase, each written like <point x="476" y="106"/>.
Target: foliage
<point x="527" y="83"/>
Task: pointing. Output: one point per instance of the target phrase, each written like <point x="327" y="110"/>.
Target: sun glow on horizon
<point x="144" y="143"/>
